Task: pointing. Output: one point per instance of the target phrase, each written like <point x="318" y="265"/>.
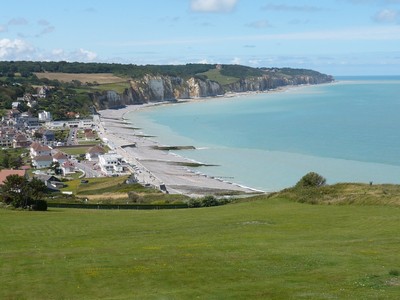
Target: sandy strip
<point x="156" y="167"/>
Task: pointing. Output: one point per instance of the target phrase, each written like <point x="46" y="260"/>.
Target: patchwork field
<point x="100" y="78"/>
<point x="261" y="249"/>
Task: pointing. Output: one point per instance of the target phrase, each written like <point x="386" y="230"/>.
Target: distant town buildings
<point x="44" y="116"/>
<point x="111" y="164"/>
<point x="94" y="152"/>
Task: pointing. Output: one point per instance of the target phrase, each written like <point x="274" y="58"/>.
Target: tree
<point x="5" y="163"/>
<point x="17" y="162"/>
<point x="311" y="179"/>
<point x="37" y="188"/>
<point x="19" y="192"/>
<point x="15" y="191"/>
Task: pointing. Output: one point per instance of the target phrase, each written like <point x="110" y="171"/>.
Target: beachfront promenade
<point x="156" y="167"/>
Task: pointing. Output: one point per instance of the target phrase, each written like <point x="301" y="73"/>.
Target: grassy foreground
<point x="261" y="249"/>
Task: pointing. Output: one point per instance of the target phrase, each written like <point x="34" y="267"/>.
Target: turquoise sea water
<point x="346" y="131"/>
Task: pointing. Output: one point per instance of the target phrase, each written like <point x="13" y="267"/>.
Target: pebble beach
<point x="158" y="167"/>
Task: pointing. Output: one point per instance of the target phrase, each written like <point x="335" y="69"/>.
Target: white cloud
<point x="84" y="55"/>
<point x="47" y="28"/>
<point x="213" y="5"/>
<point x="43" y="23"/>
<point x="259" y="24"/>
<point x="18" y="21"/>
<point x="236" y="61"/>
<point x="387" y="16"/>
<point x="203" y="61"/>
<point x="297" y="8"/>
<point x="80" y="55"/>
<point x="15" y="49"/>
<point x="19" y="49"/>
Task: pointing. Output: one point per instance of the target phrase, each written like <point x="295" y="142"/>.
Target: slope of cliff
<point x="215" y="82"/>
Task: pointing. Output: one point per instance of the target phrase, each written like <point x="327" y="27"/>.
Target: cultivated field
<point x="216" y="75"/>
<point x="262" y="249"/>
<point x="100" y="78"/>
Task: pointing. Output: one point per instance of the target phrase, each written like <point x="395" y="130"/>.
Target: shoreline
<point x="157" y="167"/>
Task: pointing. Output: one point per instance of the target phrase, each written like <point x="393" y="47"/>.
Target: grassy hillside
<point x="345" y="194"/>
<point x="113" y="190"/>
<point x="261" y="249"/>
<point x="215" y="75"/>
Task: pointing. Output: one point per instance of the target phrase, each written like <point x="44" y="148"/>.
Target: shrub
<point x="311" y="179"/>
<point x="134" y="197"/>
<point x="194" y="202"/>
<point x="39" y="205"/>
<point x="208" y="201"/>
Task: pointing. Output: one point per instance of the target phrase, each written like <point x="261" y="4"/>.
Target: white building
<point x="44" y="116"/>
<point x="77" y="123"/>
<point x="40" y="162"/>
<point x="111" y="163"/>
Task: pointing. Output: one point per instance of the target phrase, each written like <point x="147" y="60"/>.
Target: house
<point x="15" y="105"/>
<point x="42" y="161"/>
<point x="42" y="91"/>
<point x="89" y="135"/>
<point x="44" y="116"/>
<point x="67" y="167"/>
<point x="4" y="173"/>
<point x="50" y="181"/>
<point x="29" y="122"/>
<point x="60" y="157"/>
<point x="7" y="135"/>
<point x="111" y="163"/>
<point x="94" y="152"/>
<point x="38" y="149"/>
<point x="14" y="113"/>
<point x="20" y="141"/>
<point x="48" y="136"/>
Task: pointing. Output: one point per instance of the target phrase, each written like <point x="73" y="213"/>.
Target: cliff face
<point x="268" y="82"/>
<point x="170" y="88"/>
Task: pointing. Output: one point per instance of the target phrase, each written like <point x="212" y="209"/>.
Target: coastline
<point x="156" y="167"/>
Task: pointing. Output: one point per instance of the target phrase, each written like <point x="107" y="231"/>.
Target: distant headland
<point x="108" y="85"/>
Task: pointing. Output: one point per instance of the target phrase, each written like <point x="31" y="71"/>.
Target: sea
<point x="347" y="131"/>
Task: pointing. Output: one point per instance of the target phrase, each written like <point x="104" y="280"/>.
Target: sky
<point x="337" y="37"/>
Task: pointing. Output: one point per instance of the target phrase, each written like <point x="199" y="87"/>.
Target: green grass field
<point x="215" y="75"/>
<point x="260" y="249"/>
<point x="75" y="150"/>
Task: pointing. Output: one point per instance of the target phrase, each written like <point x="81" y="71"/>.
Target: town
<point x="55" y="151"/>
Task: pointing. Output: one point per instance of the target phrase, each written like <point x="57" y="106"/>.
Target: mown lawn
<point x="261" y="249"/>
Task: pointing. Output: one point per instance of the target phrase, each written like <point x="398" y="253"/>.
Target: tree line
<point x="27" y="68"/>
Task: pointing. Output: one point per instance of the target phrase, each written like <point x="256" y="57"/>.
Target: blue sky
<point x="339" y="37"/>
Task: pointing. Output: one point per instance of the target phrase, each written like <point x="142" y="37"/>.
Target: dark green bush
<point x="311" y="179"/>
<point x="209" y="201"/>
<point x="39" y="205"/>
<point x="194" y="202"/>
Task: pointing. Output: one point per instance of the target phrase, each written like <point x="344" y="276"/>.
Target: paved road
<point x="87" y="167"/>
